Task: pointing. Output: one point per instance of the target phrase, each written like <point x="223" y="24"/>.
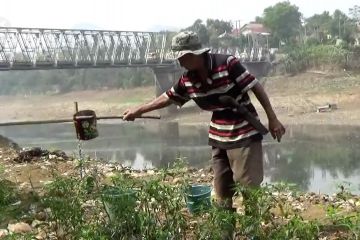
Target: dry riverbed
<point x="295" y="100"/>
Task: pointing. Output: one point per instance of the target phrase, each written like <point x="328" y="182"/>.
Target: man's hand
<point x="131" y="114"/>
<point x="160" y="102"/>
<point x="277" y="130"/>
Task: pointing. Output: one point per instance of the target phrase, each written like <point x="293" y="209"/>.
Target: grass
<point x="153" y="207"/>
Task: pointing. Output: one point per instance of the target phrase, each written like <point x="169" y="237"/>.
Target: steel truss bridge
<point x="39" y="48"/>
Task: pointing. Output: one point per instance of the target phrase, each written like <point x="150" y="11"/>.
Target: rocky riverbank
<point x="27" y="174"/>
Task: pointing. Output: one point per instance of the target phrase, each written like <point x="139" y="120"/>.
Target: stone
<point x="36" y="223"/>
<point x="176" y="180"/>
<point x="20" y="227"/>
<point x="3" y="233"/>
<point x="41" y="235"/>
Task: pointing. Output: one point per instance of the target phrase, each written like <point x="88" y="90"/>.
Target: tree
<point x="342" y="26"/>
<point x="355" y="13"/>
<point x="209" y="33"/>
<point x="216" y="28"/>
<point x="200" y="28"/>
<point x="284" y="21"/>
<point x="318" y="26"/>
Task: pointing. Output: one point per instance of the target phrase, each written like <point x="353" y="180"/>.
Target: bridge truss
<point x="30" y="48"/>
<point x="37" y="48"/>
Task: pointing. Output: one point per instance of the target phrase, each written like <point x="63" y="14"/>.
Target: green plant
<point x="153" y="207"/>
<point x="64" y="196"/>
<point x="8" y="195"/>
<point x="16" y="236"/>
<point x="216" y="224"/>
<point x="158" y="213"/>
<point x="302" y="57"/>
<point x="340" y="219"/>
<point x="295" y="228"/>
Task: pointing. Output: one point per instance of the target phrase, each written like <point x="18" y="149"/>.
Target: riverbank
<point x="38" y="208"/>
<point x="294" y="98"/>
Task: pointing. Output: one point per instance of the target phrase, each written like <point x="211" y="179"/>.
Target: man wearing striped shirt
<point x="236" y="144"/>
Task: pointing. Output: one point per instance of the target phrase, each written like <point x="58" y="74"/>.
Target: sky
<point x="145" y="15"/>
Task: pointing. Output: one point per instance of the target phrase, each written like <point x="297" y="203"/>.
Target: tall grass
<point x="301" y="58"/>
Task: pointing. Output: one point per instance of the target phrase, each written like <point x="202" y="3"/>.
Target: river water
<point x="315" y="158"/>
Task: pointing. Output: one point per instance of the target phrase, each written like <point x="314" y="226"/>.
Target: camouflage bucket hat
<point x="187" y="42"/>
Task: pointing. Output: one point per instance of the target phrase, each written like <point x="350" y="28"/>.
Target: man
<point x="236" y="144"/>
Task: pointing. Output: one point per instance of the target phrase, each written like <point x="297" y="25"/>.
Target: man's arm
<point x="159" y="102"/>
<point x="275" y="126"/>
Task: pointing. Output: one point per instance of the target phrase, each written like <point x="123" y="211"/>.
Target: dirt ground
<point x="294" y="98"/>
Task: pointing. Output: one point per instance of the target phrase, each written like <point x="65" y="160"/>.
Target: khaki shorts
<point x="241" y="165"/>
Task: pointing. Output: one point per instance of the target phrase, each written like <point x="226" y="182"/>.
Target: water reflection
<point x="316" y="158"/>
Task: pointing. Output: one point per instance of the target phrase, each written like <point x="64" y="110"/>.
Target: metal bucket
<point x="85" y="125"/>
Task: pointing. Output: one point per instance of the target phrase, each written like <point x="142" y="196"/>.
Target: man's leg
<point x="223" y="178"/>
<point x="247" y="166"/>
<point x="224" y="188"/>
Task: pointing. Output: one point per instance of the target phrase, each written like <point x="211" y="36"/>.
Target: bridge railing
<point x="54" y="47"/>
<point x="245" y="54"/>
<point x="32" y="48"/>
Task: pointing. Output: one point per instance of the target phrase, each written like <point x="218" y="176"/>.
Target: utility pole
<point x="339" y="28"/>
<point x="237" y="27"/>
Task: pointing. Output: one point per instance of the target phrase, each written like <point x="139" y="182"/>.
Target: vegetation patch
<point x="152" y="204"/>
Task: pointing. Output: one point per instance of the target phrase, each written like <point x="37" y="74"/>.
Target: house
<point x="256" y="33"/>
<point x="254" y="29"/>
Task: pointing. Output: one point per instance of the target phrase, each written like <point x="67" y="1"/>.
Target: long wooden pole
<point x="66" y="120"/>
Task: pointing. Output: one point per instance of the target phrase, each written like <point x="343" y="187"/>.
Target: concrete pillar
<point x="258" y="69"/>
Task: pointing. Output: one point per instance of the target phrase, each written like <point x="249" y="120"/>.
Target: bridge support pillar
<point x="165" y="78"/>
<point x="258" y="69"/>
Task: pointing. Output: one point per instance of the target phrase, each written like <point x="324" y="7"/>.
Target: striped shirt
<point x="227" y="76"/>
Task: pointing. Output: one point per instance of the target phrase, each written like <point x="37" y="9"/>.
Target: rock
<point x="41" y="235"/>
<point x="352" y="202"/>
<point x="20" y="227"/>
<point x="36" y="223"/>
<point x="3" y="233"/>
<point x="60" y="154"/>
<point x="28" y="154"/>
<point x="89" y="204"/>
<point x="110" y="174"/>
<point x="151" y="172"/>
<point x="176" y="180"/>
<point x="41" y="216"/>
